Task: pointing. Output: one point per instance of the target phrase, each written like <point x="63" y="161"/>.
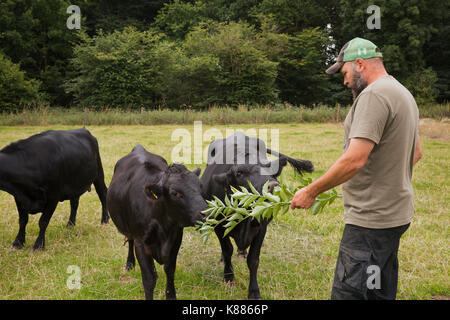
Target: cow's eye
<point x="239" y="174"/>
<point x="176" y="194"/>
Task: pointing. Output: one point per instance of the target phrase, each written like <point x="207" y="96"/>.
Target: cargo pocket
<point x="352" y="268"/>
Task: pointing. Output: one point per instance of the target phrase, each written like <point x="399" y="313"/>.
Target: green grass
<point x="298" y="256"/>
<point x="43" y="115"/>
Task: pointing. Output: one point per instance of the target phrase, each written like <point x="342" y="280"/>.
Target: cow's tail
<point x="298" y="164"/>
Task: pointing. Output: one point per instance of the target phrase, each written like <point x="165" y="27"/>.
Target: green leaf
<point x="227" y="201"/>
<point x="244" y="204"/>
<point x="230" y="224"/>
<point x="254" y="191"/>
<point x="267" y="213"/>
<point x="285" y="209"/>
<point x="218" y="201"/>
<point x="257" y="211"/>
<point x="273" y="198"/>
<point x="265" y="188"/>
<point x="317" y="207"/>
<point x="236" y="216"/>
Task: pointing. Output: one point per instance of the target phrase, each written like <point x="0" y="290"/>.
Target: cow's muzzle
<point x="272" y="185"/>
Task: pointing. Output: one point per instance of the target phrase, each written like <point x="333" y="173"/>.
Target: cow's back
<point x="63" y="163"/>
<point x="127" y="203"/>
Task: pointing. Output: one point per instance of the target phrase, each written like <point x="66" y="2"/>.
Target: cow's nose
<point x="272" y="185"/>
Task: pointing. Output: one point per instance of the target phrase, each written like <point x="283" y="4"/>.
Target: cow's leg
<point x="148" y="270"/>
<point x="253" y="263"/>
<point x="227" y="252"/>
<point x="170" y="266"/>
<point x="23" y="220"/>
<point x="242" y="253"/>
<point x="73" y="211"/>
<point x="101" y="189"/>
<point x="43" y="223"/>
<point x="131" y="262"/>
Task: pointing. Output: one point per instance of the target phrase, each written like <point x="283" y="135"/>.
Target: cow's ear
<point x="282" y="162"/>
<point x="153" y="191"/>
<point x="221" y="178"/>
<point x="197" y="172"/>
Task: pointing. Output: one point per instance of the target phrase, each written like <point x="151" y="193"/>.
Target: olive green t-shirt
<point x="380" y="195"/>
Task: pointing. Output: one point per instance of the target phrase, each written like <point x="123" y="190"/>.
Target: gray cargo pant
<point x="367" y="264"/>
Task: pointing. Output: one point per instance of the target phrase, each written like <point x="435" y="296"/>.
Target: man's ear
<point x="197" y="172"/>
<point x="359" y="64"/>
<point x="153" y="191"/>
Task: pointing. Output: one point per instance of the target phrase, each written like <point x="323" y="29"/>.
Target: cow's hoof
<point x="16" y="245"/>
<point x="254" y="295"/>
<point x="70" y="224"/>
<point x="130" y="266"/>
<point x="104" y="221"/>
<point x="38" y="247"/>
<point x="230" y="283"/>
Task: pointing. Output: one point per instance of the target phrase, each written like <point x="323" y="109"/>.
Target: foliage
<point x="408" y="28"/>
<point x="245" y="204"/>
<point x="111" y="15"/>
<point x="117" y="69"/>
<point x="280" y="49"/>
<point x="178" y="18"/>
<point x="245" y="75"/>
<point x="34" y="34"/>
<point x="422" y="84"/>
<point x="218" y="64"/>
<point x="15" y="89"/>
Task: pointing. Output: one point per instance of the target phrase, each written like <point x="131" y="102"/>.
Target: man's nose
<point x="346" y="82"/>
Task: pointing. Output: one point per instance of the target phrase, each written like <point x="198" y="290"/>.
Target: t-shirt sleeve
<point x="369" y="120"/>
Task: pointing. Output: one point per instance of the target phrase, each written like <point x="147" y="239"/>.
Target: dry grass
<point x="434" y="129"/>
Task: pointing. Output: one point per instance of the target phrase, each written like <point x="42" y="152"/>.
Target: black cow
<point x="233" y="162"/>
<point x="150" y="203"/>
<point x="47" y="168"/>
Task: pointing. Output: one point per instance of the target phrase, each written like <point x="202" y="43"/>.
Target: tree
<point x="178" y="18"/>
<point x="15" y="89"/>
<point x="246" y="75"/>
<point x="118" y="69"/>
<point x="112" y="15"/>
<point x="408" y="29"/>
<point x="34" y="34"/>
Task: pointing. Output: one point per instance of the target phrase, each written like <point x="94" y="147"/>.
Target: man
<point x="381" y="146"/>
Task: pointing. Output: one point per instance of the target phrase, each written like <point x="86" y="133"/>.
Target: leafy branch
<point x="244" y="204"/>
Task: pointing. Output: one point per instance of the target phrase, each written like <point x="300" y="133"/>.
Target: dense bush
<point x="15" y="89"/>
<point x="117" y="69"/>
<point x="134" y="53"/>
<point x="244" y="74"/>
<point x="218" y="64"/>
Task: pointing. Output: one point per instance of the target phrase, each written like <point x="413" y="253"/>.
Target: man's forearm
<point x="341" y="171"/>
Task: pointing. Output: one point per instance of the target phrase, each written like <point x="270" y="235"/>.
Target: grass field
<point x="299" y="253"/>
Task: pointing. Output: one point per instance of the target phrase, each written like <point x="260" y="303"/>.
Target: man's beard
<point x="359" y="83"/>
